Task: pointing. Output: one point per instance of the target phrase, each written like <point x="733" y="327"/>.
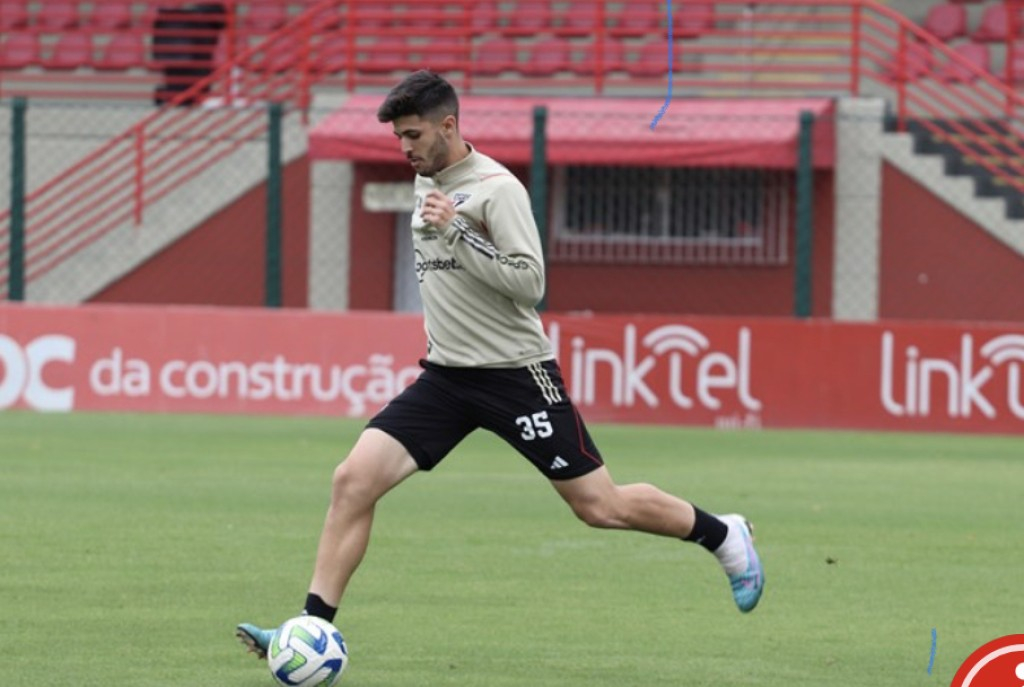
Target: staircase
<point x="932" y="170"/>
<point x="983" y="157"/>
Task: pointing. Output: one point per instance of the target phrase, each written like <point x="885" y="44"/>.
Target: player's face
<point x="425" y="142"/>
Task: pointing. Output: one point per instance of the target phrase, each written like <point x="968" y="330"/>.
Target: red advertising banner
<point x="721" y="372"/>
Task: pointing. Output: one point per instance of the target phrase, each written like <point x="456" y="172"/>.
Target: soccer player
<point x="488" y="365"/>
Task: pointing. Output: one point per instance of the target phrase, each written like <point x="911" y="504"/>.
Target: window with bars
<point x="698" y="215"/>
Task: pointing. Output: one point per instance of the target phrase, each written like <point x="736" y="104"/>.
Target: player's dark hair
<point x="422" y="93"/>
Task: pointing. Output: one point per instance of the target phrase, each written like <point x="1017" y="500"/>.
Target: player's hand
<point x="437" y="210"/>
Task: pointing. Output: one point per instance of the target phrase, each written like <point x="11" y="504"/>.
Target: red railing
<point x="766" y="48"/>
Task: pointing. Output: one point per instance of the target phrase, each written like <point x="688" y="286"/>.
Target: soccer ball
<point x="307" y="651"/>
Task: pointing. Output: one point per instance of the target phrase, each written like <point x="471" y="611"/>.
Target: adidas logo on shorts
<point x="559" y="463"/>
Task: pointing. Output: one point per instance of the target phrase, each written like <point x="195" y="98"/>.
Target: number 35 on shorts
<point x="535" y="426"/>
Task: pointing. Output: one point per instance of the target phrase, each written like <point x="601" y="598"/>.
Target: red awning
<point x="600" y="131"/>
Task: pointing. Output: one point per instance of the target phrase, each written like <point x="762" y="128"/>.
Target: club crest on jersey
<point x="460" y="198"/>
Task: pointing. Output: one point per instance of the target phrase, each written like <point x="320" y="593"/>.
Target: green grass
<point x="130" y="546"/>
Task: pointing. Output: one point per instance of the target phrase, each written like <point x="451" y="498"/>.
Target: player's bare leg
<point x="599" y="502"/>
<point x="375" y="465"/>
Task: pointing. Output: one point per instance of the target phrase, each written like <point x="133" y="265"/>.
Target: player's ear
<point x="449" y="126"/>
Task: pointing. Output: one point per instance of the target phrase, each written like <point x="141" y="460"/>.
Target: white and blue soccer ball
<point x="307" y="651"/>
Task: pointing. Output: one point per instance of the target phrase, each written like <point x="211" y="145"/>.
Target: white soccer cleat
<point x="741" y="563"/>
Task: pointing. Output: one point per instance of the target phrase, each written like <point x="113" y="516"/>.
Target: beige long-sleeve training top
<point x="480" y="279"/>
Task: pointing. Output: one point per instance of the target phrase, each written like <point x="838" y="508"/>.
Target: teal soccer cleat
<point x="748" y="584"/>
<point x="255" y="639"/>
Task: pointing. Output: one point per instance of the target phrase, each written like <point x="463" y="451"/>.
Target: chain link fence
<point x="895" y="225"/>
<point x="118" y="210"/>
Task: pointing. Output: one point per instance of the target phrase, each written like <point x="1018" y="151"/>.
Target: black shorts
<point x="528" y="407"/>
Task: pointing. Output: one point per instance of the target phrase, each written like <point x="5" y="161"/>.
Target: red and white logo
<point x="959" y="386"/>
<point x="22" y="371"/>
<point x="999" y="663"/>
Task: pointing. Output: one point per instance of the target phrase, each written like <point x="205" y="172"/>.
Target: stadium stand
<point x="497" y="39"/>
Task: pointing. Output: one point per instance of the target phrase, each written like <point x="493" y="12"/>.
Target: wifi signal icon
<point x="676" y="337"/>
<point x="1004" y="348"/>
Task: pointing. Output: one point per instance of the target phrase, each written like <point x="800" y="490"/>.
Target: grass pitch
<point x="130" y="546"/>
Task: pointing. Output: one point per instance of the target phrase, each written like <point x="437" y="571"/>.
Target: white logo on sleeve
<point x="559" y="463"/>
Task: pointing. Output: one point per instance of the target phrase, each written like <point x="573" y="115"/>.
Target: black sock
<point x="708" y="531"/>
<point x="317" y="607"/>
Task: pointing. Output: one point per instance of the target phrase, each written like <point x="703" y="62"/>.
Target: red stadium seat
<point x="637" y="19"/>
<point x="579" y="19"/>
<point x="651" y="59"/>
<point x="692" y="20"/>
<point x="57" y="16"/>
<point x="444" y="54"/>
<point x="384" y="55"/>
<point x="611" y="58"/>
<point x="432" y="15"/>
<point x="71" y="51"/>
<point x="994" y="24"/>
<point x="529" y="18"/>
<point x="13" y="15"/>
<point x="486" y="16"/>
<point x="946" y="21"/>
<point x="125" y="50"/>
<point x="112" y="14"/>
<point x="495" y="56"/>
<point x="546" y="58"/>
<point x="19" y="50"/>
<point x="976" y="54"/>
<point x="373" y="17"/>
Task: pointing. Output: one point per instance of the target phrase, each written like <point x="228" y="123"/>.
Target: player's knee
<point x="348" y="485"/>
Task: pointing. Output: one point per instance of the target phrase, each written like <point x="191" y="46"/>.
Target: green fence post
<point x="272" y="274"/>
<point x="539" y="181"/>
<point x="804" y="220"/>
<point x="16" y="245"/>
